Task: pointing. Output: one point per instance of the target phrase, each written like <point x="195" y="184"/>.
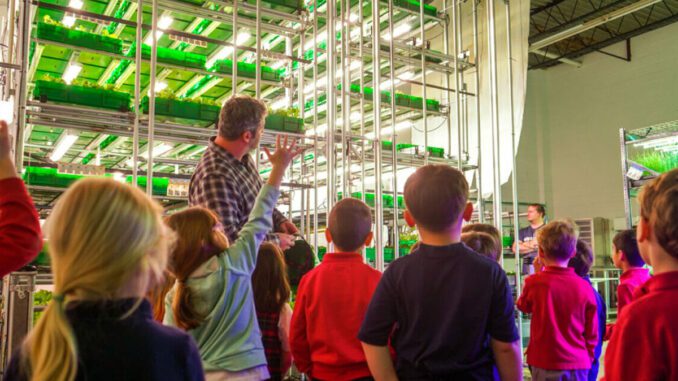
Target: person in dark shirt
<point x="108" y="246"/>
<point x="582" y="262"/>
<point x="527" y="237"/>
<point x="447" y="310"/>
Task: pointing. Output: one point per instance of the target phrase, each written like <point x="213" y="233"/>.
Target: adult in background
<point x="527" y="241"/>
<point x="20" y="235"/>
<point x="226" y="179"/>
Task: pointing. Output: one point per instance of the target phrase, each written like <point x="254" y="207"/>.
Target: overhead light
<point x="355" y="116"/>
<point x="277" y="64"/>
<point x="319" y="39"/>
<point x="71" y="73"/>
<point x="406" y="75"/>
<point x="119" y="177"/>
<point x="227" y="50"/>
<point x="317" y="131"/>
<point x="69" y="19"/>
<point x="398" y="31"/>
<point x="353" y="17"/>
<point x="281" y="103"/>
<point x="163" y="23"/>
<point x="387" y="131"/>
<point x="242" y="37"/>
<point x="65" y="142"/>
<point x="159" y="86"/>
<point x="158" y="150"/>
<point x="386" y="85"/>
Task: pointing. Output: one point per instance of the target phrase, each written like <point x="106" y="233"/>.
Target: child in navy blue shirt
<point x="582" y="262"/>
<point x="447" y="310"/>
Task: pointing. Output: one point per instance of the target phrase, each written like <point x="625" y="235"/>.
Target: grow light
<point x="227" y="50"/>
<point x="66" y="141"/>
<point x="159" y="86"/>
<point x="398" y="31"/>
<point x="387" y="131"/>
<point x="387" y="84"/>
<point x="157" y="151"/>
<point x="71" y="73"/>
<point x="277" y="105"/>
<point x="163" y="23"/>
<point x="69" y="19"/>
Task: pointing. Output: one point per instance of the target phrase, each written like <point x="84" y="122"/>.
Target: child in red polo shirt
<point x="644" y="346"/>
<point x="564" y="329"/>
<point x="332" y="300"/>
<point x="626" y="257"/>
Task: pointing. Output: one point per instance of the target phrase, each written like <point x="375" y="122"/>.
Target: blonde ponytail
<point x="105" y="239"/>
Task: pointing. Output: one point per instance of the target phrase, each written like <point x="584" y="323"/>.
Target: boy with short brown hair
<point x="447" y="310"/>
<point x="564" y="327"/>
<point x="332" y="299"/>
<point x="483" y="244"/>
<point x="642" y="346"/>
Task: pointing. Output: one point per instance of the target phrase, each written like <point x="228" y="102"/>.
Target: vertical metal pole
<point x="394" y="151"/>
<point x="376" y="93"/>
<point x="476" y="80"/>
<point x="625" y="181"/>
<point x="448" y="81"/>
<point x="302" y="114"/>
<point x="137" y="94"/>
<point x="22" y="93"/>
<point x="315" y="125"/>
<point x="331" y="103"/>
<point x="234" y="39"/>
<point x="424" y="110"/>
<point x="257" y="86"/>
<point x="457" y="87"/>
<point x="361" y="80"/>
<point x="514" y="167"/>
<point x="345" y="100"/>
<point x="463" y="144"/>
<point x="289" y="91"/>
<point x="151" y="99"/>
<point x="495" y="122"/>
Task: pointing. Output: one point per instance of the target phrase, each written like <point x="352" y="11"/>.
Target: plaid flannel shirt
<point x="228" y="187"/>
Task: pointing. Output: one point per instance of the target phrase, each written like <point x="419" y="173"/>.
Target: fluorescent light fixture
<point x="66" y="141"/>
<point x="355" y="116"/>
<point x="7" y="110"/>
<point x="158" y="151"/>
<point x="159" y="86"/>
<point x="406" y="75"/>
<point x="242" y="37"/>
<point x="71" y="73"/>
<point x="317" y="131"/>
<point x="77" y="4"/>
<point x="277" y="64"/>
<point x="386" y="85"/>
<point x="163" y="23"/>
<point x="69" y="19"/>
<point x="281" y="103"/>
<point x="353" y="17"/>
<point x="227" y="50"/>
<point x="387" y="131"/>
<point x="119" y="177"/>
<point x="398" y="31"/>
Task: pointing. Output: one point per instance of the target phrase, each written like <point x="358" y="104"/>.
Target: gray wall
<point x="569" y="152"/>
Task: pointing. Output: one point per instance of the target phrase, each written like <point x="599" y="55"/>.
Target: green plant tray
<point x="43" y="257"/>
<point x="387" y="199"/>
<point x="246" y="70"/>
<point x="294" y="4"/>
<point x="80" y="38"/>
<point x="170" y="56"/>
<point x="80" y="95"/>
<point x="284" y="123"/>
<point x="414" y="6"/>
<point x="389" y="253"/>
<point x="182" y="109"/>
<point x="51" y="178"/>
<point x="507" y="240"/>
<point x="436" y="152"/>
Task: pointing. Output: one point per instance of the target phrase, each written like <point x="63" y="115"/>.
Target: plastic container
<point x="80" y="38"/>
<point x="284" y="123"/>
<point x="80" y="95"/>
<point x="182" y="109"/>
<point x="171" y="56"/>
<point x="246" y="70"/>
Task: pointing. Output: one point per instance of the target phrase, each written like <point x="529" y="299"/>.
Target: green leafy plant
<point x="40" y="298"/>
<point x="658" y="161"/>
<point x="291" y="112"/>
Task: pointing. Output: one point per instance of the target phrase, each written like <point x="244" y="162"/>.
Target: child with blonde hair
<point x="212" y="298"/>
<point x="643" y="344"/>
<point x="108" y="246"/>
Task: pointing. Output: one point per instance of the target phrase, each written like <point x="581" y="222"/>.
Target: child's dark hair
<point x="198" y="239"/>
<point x="349" y="224"/>
<point x="582" y="260"/>
<point x="435" y="196"/>
<point x="659" y="206"/>
<point x="483" y="228"/>
<point x="269" y="281"/>
<point x="626" y="241"/>
<point x="557" y="240"/>
<point x="483" y="244"/>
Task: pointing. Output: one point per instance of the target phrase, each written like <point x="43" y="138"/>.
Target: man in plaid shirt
<point x="226" y="180"/>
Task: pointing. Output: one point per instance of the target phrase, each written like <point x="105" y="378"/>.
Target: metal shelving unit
<point x="645" y="153"/>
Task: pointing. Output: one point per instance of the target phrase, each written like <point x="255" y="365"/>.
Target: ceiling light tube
<point x="65" y="142"/>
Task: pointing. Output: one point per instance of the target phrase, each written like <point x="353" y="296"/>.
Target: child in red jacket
<point x="332" y="300"/>
<point x="643" y="344"/>
<point x="20" y="235"/>
<point x="564" y="329"/>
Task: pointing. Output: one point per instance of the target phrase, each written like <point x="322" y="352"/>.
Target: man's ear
<point x="468" y="212"/>
<point x="247" y="136"/>
<point x="328" y="236"/>
<point x="643" y="231"/>
<point x="409" y="219"/>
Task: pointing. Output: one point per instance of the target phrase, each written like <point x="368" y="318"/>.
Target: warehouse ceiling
<point x="563" y="30"/>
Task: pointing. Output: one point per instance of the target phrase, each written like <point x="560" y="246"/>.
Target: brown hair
<point x="659" y="206"/>
<point x="156" y="295"/>
<point x="436" y="195"/>
<point x="557" y="240"/>
<point x="483" y="244"/>
<point x="269" y="280"/>
<point x="349" y="224"/>
<point x="484" y="228"/>
<point x="627" y="242"/>
<point x="240" y="114"/>
<point x="540" y="209"/>
<point x="198" y="240"/>
<point x="582" y="260"/>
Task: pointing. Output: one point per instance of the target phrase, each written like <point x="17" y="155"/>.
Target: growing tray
<point x="81" y="95"/>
